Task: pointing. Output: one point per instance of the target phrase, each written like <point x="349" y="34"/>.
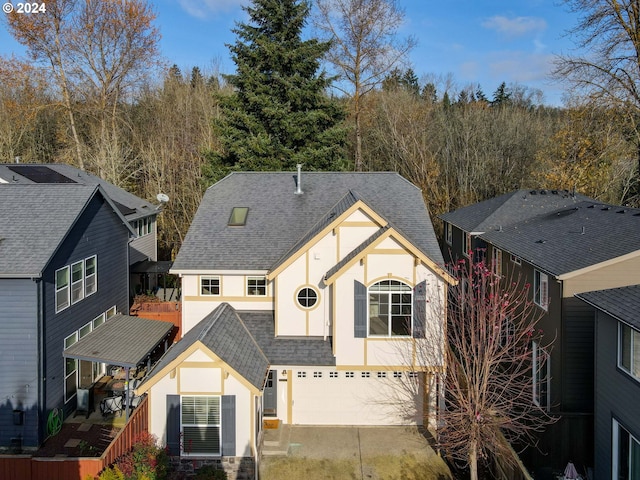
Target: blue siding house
<point x="617" y="381"/>
<point x="64" y="269"/>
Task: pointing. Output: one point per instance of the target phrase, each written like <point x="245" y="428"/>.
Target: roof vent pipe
<point x="299" y="180"/>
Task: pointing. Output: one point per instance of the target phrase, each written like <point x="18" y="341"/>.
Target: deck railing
<point x="26" y="467"/>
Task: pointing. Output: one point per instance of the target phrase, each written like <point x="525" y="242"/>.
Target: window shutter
<point x="420" y="310"/>
<point x="228" y="425"/>
<point x="173" y="424"/>
<point x="359" y="310"/>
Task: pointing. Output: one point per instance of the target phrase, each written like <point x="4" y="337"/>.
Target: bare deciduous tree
<point x="609" y="71"/>
<point x="95" y="50"/>
<point x="365" y="48"/>
<point x="488" y="386"/>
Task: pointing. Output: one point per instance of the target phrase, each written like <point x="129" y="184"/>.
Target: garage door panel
<point x="351" y="399"/>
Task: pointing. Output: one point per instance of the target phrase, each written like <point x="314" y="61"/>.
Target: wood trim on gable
<point x="410" y="248"/>
<point x="359" y="205"/>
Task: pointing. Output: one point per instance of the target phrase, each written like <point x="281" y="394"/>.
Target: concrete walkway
<point x="356" y="452"/>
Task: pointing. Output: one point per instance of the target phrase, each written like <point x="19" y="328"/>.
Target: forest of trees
<point x="115" y="109"/>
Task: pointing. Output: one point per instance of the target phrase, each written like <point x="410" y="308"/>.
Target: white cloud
<point x="515" y="26"/>
<point x="208" y="8"/>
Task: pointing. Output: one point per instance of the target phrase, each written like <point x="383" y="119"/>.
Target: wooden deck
<point x="63" y="467"/>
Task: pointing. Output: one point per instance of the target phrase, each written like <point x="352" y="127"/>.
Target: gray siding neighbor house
<point x="617" y="381"/>
<point x="562" y="244"/>
<point x="139" y="213"/>
<point x="64" y="265"/>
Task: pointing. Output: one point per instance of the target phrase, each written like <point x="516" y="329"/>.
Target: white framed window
<point x="541" y="376"/>
<point x="496" y="262"/>
<point x="99" y="320"/>
<point x="70" y="370"/>
<point x="349" y="374"/>
<point x="541" y="289"/>
<point x="507" y="332"/>
<point x="302" y="374"/>
<point x="382" y="374"/>
<point x="210" y="286"/>
<point x="629" y="350"/>
<point x="365" y="374"/>
<point x="448" y="234"/>
<point x="307" y="297"/>
<point x="516" y="260"/>
<point x="625" y="453"/>
<point x="333" y="374"/>
<point x="466" y="244"/>
<point x="77" y="281"/>
<point x="90" y="275"/>
<point x="390" y="309"/>
<point x="111" y="312"/>
<point x="62" y="288"/>
<point x="257" y="286"/>
<point x="397" y="374"/>
<point x="317" y="374"/>
<point x="85" y="330"/>
<point x="200" y="424"/>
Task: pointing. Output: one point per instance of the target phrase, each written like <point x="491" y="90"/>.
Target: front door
<point x="270" y="404"/>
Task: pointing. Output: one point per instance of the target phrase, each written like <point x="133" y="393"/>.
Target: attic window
<point x="238" y="217"/>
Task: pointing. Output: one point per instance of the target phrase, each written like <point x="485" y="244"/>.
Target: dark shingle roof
<point x="278" y="218"/>
<point x="569" y="239"/>
<point x="509" y="208"/>
<point x="35" y="220"/>
<point x="225" y="334"/>
<point x="286" y="350"/>
<point x="130" y="205"/>
<point x="621" y="303"/>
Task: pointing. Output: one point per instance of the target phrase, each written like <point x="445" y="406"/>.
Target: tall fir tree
<point x="279" y="113"/>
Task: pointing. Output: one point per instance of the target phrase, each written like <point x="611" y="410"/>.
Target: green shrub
<point x="209" y="472"/>
<point x="146" y="461"/>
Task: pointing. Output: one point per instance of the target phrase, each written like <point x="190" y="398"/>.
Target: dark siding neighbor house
<point x="562" y="244"/>
<point x="617" y="381"/>
<point x="63" y="272"/>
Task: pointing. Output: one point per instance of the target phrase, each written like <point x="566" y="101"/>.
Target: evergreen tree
<point x="279" y="114"/>
<point x="501" y="96"/>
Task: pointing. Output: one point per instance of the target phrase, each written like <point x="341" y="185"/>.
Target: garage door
<point x="330" y="397"/>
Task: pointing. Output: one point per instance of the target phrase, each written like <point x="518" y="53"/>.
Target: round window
<point x="307" y="297"/>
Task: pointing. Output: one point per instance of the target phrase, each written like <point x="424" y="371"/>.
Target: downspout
<point x="41" y="378"/>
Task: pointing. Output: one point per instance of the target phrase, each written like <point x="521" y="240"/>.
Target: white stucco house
<point x="312" y="298"/>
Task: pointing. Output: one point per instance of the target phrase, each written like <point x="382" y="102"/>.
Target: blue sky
<point x="483" y="42"/>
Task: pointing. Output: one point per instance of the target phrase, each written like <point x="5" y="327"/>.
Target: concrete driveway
<point x="354" y="453"/>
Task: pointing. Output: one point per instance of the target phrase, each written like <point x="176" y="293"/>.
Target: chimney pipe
<point x="299" y="180"/>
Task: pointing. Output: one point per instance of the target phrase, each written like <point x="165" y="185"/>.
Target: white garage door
<point x="330" y="397"/>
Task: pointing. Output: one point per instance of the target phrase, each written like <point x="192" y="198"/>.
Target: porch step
<point x="275" y="442"/>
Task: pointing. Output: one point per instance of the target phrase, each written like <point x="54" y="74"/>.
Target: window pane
<point x="90" y="266"/>
<point x="625" y="347"/>
<point x="70" y="340"/>
<point x="636" y="354"/>
<point x="70" y="386"/>
<point x="238" y="216"/>
<point x="201" y="440"/>
<point x="70" y="366"/>
<point x="257" y="286"/>
<point x="62" y="299"/>
<point x="378" y="314"/>
<point x="86" y="329"/>
<point x="400" y="325"/>
<point x="62" y="278"/>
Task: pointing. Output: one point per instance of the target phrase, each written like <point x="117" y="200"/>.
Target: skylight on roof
<point x="238" y="216"/>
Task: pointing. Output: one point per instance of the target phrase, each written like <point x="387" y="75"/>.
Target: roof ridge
<point x="218" y="313"/>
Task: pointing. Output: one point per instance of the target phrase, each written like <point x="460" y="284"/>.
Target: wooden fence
<point x="163" y="311"/>
<point x="511" y="467"/>
<point x="26" y="467"/>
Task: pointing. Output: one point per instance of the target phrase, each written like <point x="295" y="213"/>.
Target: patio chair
<point x="110" y="405"/>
